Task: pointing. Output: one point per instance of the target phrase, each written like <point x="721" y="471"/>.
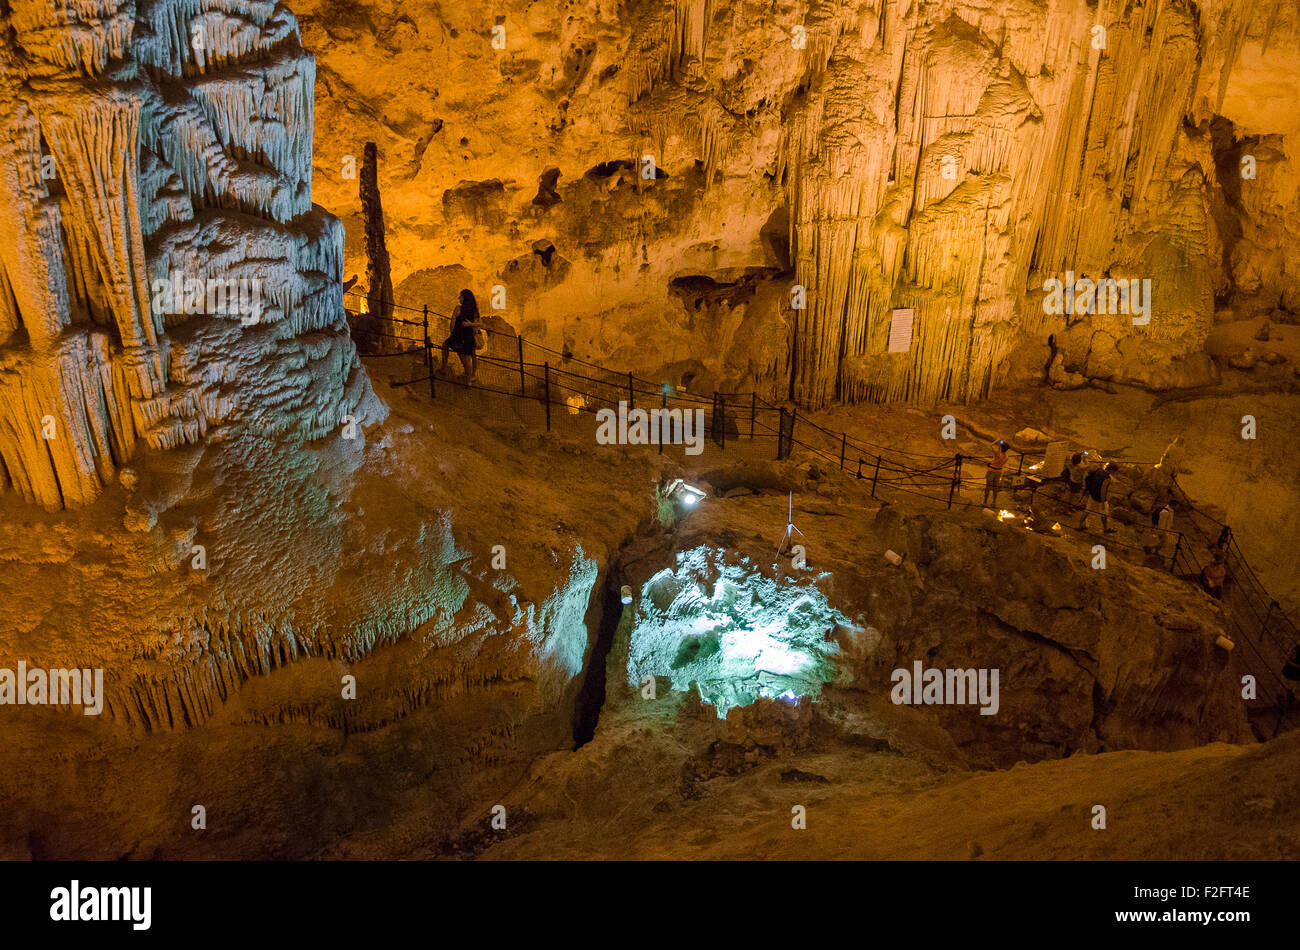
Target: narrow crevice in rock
<point x="591" y="696"/>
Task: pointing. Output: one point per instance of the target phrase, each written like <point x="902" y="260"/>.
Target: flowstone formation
<point x="732" y="633"/>
<point x="741" y="194"/>
<point x="164" y="275"/>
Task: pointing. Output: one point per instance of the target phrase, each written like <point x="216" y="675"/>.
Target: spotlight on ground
<point x="684" y="495"/>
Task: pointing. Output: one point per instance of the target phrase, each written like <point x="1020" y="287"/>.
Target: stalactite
<point x="268" y="116"/>
<point x="183" y="37"/>
<point x="77" y="35"/>
<point x="31" y="244"/>
<point x="187" y="155"/>
<point x="1014" y="146"/>
<point x="95" y="145"/>
<point x="689" y="32"/>
<point x="223" y="648"/>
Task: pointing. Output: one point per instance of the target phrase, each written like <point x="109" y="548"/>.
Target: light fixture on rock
<point x="684" y="495"/>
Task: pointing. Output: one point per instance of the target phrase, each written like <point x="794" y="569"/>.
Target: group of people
<point x="1088" y="487"/>
<point x="1088" y="492"/>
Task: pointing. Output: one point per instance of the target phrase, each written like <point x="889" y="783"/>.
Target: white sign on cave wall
<point x="900" y="331"/>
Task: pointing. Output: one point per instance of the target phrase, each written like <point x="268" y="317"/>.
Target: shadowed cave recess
<point x="881" y="406"/>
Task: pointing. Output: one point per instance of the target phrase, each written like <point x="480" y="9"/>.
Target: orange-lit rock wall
<point x="947" y="156"/>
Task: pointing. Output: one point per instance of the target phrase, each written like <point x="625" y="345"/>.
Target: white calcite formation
<point x="732" y="633"/>
<point x="949" y="156"/>
<point x="151" y="151"/>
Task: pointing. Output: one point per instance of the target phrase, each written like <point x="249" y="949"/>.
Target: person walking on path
<point x="465" y="320"/>
<point x="993" y="479"/>
<point x="1097" y="489"/>
<point x="1074" y="473"/>
<point x="1215" y="574"/>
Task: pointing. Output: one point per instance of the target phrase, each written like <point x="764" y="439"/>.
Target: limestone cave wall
<point x="946" y="156"/>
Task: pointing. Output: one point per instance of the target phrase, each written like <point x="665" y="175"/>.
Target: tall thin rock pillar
<point x="378" y="335"/>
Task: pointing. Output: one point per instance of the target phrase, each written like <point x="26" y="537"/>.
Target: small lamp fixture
<point x="687" y="496"/>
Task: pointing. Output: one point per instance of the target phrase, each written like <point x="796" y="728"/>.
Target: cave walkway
<point x="524" y="382"/>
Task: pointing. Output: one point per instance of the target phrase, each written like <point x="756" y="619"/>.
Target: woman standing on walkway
<point x="993" y="478"/>
<point x="465" y="320"/>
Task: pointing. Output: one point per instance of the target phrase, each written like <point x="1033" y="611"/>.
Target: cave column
<point x="379" y="278"/>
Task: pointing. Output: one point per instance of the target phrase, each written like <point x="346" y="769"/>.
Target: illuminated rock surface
<point x="221" y="514"/>
<point x="732" y="632"/>
<point x="945" y="156"/>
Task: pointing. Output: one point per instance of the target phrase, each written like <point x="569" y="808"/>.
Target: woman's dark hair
<point x="468" y="306"/>
<point x="1077" y="458"/>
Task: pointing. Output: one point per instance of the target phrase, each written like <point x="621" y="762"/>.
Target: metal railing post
<point x="789" y="447"/>
<point x="956" y="477"/>
<point x="875" y="476"/>
<point x="780" y="434"/>
<point x="844" y="444"/>
<point x="547" y="379"/>
<point x="428" y="350"/>
<point x="662" y="417"/>
<point x="520" y="341"/>
<point x="1178" y="546"/>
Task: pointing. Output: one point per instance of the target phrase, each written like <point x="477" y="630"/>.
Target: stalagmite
<point x="379" y="280"/>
